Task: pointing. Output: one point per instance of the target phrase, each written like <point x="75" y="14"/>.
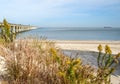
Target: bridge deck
<point x="18" y="27"/>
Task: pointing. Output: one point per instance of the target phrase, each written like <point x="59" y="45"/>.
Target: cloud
<point x="51" y="7"/>
<point x="28" y="10"/>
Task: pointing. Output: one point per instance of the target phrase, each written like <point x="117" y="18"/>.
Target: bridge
<point x="17" y="28"/>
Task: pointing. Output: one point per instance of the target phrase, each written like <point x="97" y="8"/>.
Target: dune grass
<point x="41" y="62"/>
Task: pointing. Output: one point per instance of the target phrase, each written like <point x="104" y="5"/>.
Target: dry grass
<point x="40" y="62"/>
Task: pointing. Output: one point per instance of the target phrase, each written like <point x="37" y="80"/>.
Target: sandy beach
<point x="87" y="51"/>
<point x="88" y="45"/>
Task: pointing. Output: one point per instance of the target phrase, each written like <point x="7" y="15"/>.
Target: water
<point x="73" y="33"/>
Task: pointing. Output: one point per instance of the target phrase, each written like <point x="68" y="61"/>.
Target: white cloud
<point x="49" y="6"/>
<point x="24" y="10"/>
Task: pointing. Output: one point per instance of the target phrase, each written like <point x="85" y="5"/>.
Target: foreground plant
<point x="6" y="33"/>
<point x="30" y="63"/>
<point x="74" y="72"/>
<point x="40" y="62"/>
<point x="107" y="63"/>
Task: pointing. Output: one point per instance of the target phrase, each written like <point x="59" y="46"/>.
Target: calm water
<point x="73" y="33"/>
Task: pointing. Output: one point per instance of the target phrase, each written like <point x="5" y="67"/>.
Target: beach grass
<point x="41" y="62"/>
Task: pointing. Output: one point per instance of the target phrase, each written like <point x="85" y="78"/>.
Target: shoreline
<point x="89" y="41"/>
<point x="87" y="45"/>
<point x="84" y="45"/>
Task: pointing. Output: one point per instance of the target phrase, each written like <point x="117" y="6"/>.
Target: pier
<point x="17" y="28"/>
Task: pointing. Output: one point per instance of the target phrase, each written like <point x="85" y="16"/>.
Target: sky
<point x="62" y="13"/>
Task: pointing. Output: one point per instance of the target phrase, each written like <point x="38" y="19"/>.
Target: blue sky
<point x="62" y="13"/>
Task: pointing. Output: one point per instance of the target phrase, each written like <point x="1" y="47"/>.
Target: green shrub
<point x="6" y="34"/>
<point x="106" y="64"/>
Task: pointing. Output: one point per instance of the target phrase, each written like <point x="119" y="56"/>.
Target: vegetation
<point x="6" y="34"/>
<point x="40" y="62"/>
<point x="107" y="63"/>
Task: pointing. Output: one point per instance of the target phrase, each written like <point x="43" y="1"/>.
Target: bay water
<point x="73" y="33"/>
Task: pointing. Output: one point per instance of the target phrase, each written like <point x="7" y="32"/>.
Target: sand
<point x="87" y="51"/>
<point x="88" y="45"/>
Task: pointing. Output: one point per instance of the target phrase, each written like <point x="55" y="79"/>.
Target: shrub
<point x="6" y="34"/>
<point x="107" y="63"/>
